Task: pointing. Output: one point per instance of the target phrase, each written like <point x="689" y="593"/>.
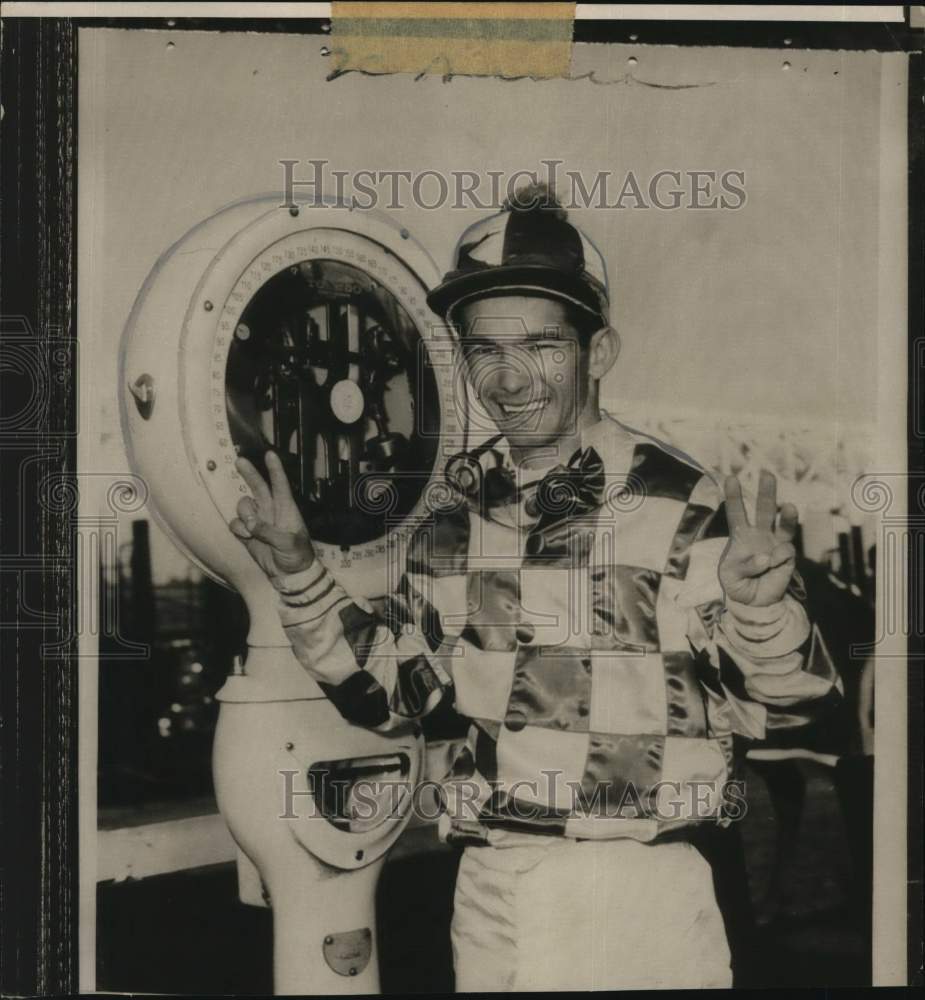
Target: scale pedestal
<point x="314" y="805"/>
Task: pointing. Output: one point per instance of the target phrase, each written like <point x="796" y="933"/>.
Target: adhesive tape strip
<point x="508" y="40"/>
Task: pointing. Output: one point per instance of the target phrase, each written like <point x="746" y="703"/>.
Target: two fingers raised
<point x="765" y="507"/>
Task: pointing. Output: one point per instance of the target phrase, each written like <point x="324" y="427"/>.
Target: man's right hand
<point x="270" y="524"/>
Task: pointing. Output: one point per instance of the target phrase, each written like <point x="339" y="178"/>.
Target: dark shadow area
<point x="183" y="933"/>
<point x="187" y="933"/>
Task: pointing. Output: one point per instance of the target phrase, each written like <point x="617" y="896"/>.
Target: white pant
<point x="556" y="914"/>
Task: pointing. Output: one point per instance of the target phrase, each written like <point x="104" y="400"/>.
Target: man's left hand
<point x="758" y="563"/>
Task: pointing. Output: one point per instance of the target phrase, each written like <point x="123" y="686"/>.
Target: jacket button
<point x="515" y="720"/>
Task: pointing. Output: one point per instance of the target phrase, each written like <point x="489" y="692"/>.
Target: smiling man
<point x="601" y="615"/>
<point x="537" y="375"/>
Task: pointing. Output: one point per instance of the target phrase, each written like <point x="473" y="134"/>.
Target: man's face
<point x="525" y="363"/>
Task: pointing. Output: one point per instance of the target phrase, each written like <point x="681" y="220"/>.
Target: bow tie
<point x="567" y="490"/>
<point x="561" y="498"/>
<point x="564" y="491"/>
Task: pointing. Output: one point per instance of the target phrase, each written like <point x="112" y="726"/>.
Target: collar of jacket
<point x="503" y="484"/>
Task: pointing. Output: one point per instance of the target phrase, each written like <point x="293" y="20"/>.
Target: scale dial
<point x="306" y="330"/>
<point x="320" y="351"/>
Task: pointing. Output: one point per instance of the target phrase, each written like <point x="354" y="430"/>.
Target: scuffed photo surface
<point x="451" y="549"/>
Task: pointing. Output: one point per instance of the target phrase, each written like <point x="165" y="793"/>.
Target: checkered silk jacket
<point x="586" y="641"/>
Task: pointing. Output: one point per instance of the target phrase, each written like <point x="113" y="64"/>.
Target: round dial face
<point x="321" y="346"/>
<point x="347" y="401"/>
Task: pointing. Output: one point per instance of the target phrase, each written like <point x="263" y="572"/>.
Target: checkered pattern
<point x="602" y="673"/>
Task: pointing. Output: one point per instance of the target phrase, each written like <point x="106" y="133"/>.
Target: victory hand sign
<point x="759" y="561"/>
<point x="270" y="524"/>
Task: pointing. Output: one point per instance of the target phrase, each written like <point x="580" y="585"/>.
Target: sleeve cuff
<point x="293" y="583"/>
<point x="772" y="630"/>
<point x="747" y="614"/>
<point x="307" y="596"/>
